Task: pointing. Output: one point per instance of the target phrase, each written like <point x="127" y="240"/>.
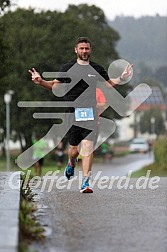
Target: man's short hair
<point x="83" y="40"/>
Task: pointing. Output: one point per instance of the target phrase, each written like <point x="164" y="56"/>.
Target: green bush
<point x="160" y="152"/>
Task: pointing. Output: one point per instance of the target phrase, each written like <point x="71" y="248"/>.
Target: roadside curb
<point x="9" y="209"/>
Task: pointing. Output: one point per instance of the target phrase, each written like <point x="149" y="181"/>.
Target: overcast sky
<point x="111" y="8"/>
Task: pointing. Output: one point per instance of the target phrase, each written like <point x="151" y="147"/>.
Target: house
<point x="129" y="127"/>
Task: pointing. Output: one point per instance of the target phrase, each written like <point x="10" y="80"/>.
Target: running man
<point x="85" y="116"/>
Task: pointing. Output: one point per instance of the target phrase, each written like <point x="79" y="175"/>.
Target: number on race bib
<point x="84" y="114"/>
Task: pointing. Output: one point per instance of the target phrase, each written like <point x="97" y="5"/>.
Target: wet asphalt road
<point x="109" y="220"/>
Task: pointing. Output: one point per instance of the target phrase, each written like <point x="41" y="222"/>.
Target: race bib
<point x="84" y="114"/>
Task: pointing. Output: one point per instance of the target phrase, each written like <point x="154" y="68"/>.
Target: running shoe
<point x="86" y="188"/>
<point x="69" y="171"/>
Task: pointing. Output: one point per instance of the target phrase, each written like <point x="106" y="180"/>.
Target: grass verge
<point x="156" y="170"/>
<point x="29" y="228"/>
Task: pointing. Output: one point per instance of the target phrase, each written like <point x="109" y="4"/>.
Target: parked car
<point x="139" y="145"/>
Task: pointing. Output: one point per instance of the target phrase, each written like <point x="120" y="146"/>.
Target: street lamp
<point x="7" y="99"/>
<point x="138" y="124"/>
<point x="152" y="125"/>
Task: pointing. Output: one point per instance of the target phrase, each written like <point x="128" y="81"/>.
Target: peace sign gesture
<point x="36" y="77"/>
<point x="127" y="72"/>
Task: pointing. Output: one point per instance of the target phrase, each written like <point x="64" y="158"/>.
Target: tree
<point x="142" y="39"/>
<point x="3" y="72"/>
<point x="24" y="36"/>
<point x="95" y="26"/>
<point x="150" y="125"/>
<point x="4" y="4"/>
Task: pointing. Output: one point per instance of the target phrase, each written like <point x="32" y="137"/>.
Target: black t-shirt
<point x="81" y="82"/>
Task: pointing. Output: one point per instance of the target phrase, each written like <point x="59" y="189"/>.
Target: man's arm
<point x="125" y="74"/>
<point x="100" y="98"/>
<point x="37" y="79"/>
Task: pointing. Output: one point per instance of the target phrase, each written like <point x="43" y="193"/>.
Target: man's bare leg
<point x="87" y="157"/>
<point x="87" y="161"/>
<point x="38" y="169"/>
<point x="73" y="154"/>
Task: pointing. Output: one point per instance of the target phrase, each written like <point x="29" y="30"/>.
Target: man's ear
<point x="75" y="49"/>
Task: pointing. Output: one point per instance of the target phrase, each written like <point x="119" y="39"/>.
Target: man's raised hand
<point x="36" y="77"/>
<point x="127" y="71"/>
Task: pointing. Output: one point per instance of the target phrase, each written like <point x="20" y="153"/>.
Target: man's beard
<point x="85" y="58"/>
